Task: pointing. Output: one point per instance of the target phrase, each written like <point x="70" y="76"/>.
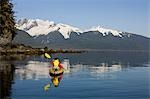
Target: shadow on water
<point x="6" y="79"/>
<point x="7" y="71"/>
<point x="36" y="67"/>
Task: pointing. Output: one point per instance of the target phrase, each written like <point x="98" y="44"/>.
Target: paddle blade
<point x="47" y="55"/>
<point x="46" y="87"/>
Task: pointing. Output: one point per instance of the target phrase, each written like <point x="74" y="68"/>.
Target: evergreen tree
<point x="7" y="22"/>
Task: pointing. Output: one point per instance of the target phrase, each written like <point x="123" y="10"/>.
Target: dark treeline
<point x="7" y="23"/>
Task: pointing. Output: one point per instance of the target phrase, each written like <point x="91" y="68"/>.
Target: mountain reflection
<point x="104" y="67"/>
<point x="36" y="70"/>
<point x="33" y="70"/>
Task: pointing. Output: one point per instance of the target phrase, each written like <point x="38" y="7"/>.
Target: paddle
<point x="47" y="55"/>
<point x="46" y="87"/>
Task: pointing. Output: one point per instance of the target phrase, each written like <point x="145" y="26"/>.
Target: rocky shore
<point x="27" y="50"/>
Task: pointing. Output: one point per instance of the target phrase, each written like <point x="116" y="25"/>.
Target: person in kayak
<point x="56" y="64"/>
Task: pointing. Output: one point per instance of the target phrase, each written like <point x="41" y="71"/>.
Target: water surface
<point x="92" y="75"/>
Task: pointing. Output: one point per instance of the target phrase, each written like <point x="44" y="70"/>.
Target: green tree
<point x="7" y="23"/>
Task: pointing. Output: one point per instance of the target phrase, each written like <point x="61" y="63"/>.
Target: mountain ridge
<point x="89" y="40"/>
<point x="38" y="27"/>
<point x="39" y="33"/>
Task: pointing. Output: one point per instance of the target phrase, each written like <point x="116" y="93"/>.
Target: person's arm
<point x="61" y="66"/>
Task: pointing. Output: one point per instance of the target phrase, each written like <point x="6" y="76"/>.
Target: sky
<point x="124" y="15"/>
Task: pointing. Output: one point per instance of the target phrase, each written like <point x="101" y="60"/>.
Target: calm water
<point x="92" y="75"/>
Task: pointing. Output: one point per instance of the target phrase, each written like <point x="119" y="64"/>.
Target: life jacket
<point x="56" y="64"/>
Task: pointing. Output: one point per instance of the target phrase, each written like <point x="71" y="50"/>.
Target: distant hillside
<point x="41" y="33"/>
<point x="86" y="40"/>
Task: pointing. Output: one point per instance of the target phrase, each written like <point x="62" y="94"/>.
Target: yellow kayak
<point x="54" y="72"/>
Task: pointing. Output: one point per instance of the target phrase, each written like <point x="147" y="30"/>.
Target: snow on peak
<point x="106" y="31"/>
<point x="43" y="27"/>
<point x="40" y="27"/>
<point x="35" y="27"/>
<point x="66" y="30"/>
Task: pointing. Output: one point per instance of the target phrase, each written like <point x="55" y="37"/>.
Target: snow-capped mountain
<point x="105" y="31"/>
<point x="39" y="27"/>
<point x="40" y="33"/>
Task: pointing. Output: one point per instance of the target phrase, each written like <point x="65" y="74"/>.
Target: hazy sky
<point x="125" y="15"/>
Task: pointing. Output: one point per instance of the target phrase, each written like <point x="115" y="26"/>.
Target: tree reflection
<point x="6" y="79"/>
<point x="7" y="71"/>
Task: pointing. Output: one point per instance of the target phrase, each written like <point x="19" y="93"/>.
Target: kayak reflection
<point x="55" y="80"/>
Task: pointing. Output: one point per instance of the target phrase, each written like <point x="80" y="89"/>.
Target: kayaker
<point x="56" y="64"/>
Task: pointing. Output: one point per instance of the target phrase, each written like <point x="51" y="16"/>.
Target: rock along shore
<point x="27" y="50"/>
